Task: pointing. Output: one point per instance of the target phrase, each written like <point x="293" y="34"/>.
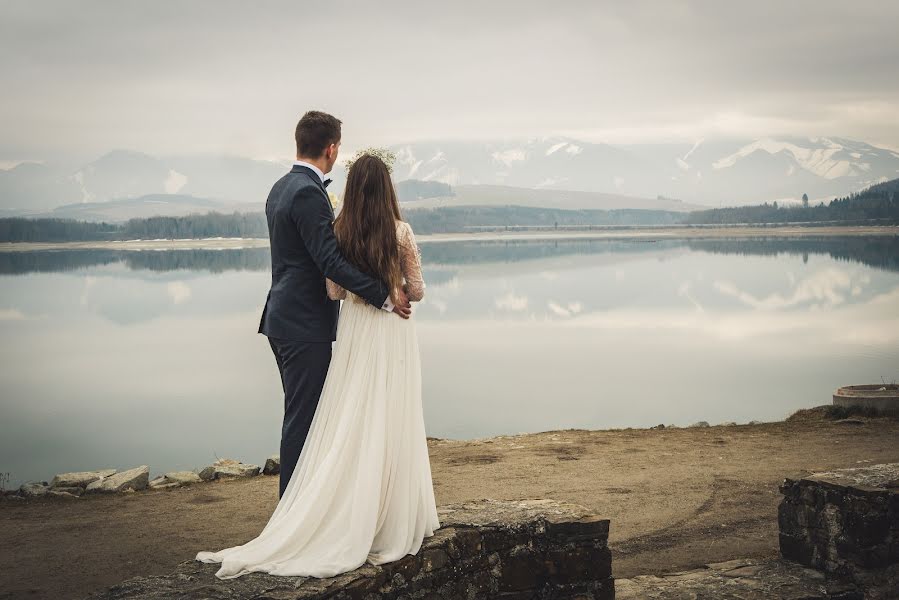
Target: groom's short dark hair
<point x="315" y="132"/>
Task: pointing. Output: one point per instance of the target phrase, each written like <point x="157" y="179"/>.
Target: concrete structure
<point x="879" y="398"/>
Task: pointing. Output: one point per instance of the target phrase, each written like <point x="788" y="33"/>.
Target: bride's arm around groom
<point x="410" y="264"/>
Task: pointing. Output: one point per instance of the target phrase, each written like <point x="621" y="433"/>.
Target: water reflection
<point x="118" y="358"/>
<point x="213" y="261"/>
<point x="876" y="251"/>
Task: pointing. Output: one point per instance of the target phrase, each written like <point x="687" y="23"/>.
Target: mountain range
<point x="547" y="172"/>
<point x="712" y="173"/>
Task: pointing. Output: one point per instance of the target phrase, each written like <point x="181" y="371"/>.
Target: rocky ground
<point x="678" y="499"/>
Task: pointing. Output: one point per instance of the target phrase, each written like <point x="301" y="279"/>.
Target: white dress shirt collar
<point x="318" y="171"/>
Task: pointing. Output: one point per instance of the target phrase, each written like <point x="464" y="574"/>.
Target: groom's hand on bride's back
<point x="402" y="307"/>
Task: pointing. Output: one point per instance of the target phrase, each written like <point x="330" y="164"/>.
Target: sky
<point x="225" y="77"/>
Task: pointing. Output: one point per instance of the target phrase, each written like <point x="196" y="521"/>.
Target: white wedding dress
<point x="361" y="490"/>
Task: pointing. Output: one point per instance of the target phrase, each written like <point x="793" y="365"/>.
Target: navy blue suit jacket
<point x="304" y="251"/>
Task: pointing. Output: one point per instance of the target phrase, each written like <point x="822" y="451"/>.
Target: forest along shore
<point x="677" y="499"/>
<point x="641" y="233"/>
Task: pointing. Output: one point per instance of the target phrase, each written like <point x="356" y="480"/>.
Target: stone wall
<point x="507" y="550"/>
<point x="844" y="522"/>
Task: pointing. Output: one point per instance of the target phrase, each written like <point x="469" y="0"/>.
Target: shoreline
<point x="228" y="468"/>
<point x="677" y="498"/>
<point x="271" y="465"/>
<point x="641" y="233"/>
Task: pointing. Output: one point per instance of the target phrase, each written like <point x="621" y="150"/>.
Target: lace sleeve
<point x="410" y="263"/>
<point x="335" y="292"/>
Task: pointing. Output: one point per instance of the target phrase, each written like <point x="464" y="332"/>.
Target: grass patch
<point x="832" y="412"/>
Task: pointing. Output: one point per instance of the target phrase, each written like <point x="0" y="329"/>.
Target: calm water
<point x="115" y="359"/>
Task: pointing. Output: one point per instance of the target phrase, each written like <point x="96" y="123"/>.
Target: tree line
<point x="196" y="226"/>
<point x="20" y="229"/>
<point x="253" y="225"/>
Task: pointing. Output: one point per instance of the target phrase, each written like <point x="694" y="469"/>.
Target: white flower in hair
<point x="386" y="156"/>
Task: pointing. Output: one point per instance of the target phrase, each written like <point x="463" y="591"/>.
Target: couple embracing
<point x="355" y="483"/>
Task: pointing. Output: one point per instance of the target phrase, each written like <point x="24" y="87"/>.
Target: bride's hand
<point x="402" y="307"/>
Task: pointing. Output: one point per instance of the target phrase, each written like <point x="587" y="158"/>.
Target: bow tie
<point x="326" y="182"/>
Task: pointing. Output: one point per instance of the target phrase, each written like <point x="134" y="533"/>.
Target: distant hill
<point x="416" y="189"/>
<point x="115" y="211"/>
<point x="499" y="195"/>
<point x="887" y="189"/>
<point x="457" y="219"/>
<point x="878" y="203"/>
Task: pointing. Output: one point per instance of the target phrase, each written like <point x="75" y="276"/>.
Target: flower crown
<point x="386" y="156"/>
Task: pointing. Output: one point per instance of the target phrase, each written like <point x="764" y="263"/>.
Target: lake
<point x="116" y="358"/>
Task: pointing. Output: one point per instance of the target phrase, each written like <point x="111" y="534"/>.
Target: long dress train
<point x="361" y="490"/>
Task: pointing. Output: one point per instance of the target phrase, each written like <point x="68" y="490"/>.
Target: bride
<point x="361" y="490"/>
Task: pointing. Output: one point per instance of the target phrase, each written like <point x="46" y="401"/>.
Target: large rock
<point x="74" y="490"/>
<point x="61" y="493"/>
<point x="33" y="489"/>
<point x="225" y="468"/>
<point x="161" y="484"/>
<point x="175" y="479"/>
<point x="272" y="465"/>
<point x="135" y="479"/>
<point x="484" y="549"/>
<point x="182" y="477"/>
<point x="80" y="478"/>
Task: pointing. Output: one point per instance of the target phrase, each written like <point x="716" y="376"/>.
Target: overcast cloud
<point x="199" y="77"/>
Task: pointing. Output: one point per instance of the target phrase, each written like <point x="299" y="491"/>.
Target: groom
<point x="299" y="318"/>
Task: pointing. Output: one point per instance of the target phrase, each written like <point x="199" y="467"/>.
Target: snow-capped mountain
<point x="707" y="172"/>
<point x="543" y="163"/>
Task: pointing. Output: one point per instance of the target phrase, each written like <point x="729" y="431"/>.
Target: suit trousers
<point x="303" y="367"/>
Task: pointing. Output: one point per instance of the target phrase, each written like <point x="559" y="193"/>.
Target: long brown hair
<point x="366" y="225"/>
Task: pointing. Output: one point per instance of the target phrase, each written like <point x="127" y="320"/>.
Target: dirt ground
<point x="677" y="499"/>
